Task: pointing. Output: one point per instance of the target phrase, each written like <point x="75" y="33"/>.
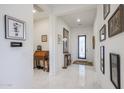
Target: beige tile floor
<point x="74" y="77"/>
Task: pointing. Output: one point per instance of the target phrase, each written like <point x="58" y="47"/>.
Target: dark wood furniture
<point x="41" y="55"/>
<point x="67" y="60"/>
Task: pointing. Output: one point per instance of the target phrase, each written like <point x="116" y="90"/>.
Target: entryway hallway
<point x="74" y="77"/>
<point x="54" y="32"/>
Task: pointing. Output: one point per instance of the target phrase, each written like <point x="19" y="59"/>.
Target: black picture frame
<point x="78" y="47"/>
<point x="14" y="28"/>
<point x="116" y="23"/>
<point x="102" y="59"/>
<point x="65" y="41"/>
<point x="102" y="33"/>
<point x="115" y="70"/>
<point x="106" y="10"/>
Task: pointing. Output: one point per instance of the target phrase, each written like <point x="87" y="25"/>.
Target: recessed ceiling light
<point x="78" y="20"/>
<point x="34" y="11"/>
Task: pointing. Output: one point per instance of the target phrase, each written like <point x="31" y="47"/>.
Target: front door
<point x="82" y="46"/>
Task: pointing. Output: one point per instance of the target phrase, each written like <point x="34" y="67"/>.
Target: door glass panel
<point x="82" y="46"/>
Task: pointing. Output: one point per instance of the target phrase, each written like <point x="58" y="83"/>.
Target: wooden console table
<point x="41" y="55"/>
<point x="67" y="60"/>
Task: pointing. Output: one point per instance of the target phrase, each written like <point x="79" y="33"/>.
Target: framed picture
<point x="102" y="59"/>
<point x="116" y="23"/>
<point x="59" y="38"/>
<point x="103" y="33"/>
<point x="106" y="10"/>
<point x="93" y="42"/>
<point x="44" y="38"/>
<point x="14" y="28"/>
<point x="115" y="70"/>
<point x="65" y="41"/>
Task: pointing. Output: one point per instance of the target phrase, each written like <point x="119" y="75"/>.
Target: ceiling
<point x="69" y="13"/>
<point x="42" y="11"/>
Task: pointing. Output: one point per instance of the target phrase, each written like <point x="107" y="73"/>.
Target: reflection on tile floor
<point x="74" y="77"/>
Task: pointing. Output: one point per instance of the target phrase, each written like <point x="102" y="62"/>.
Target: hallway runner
<point x="79" y="62"/>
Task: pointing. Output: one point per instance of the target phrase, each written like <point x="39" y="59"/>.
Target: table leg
<point x="43" y="64"/>
<point x="47" y="65"/>
<point x="65" y="62"/>
<point x="34" y="63"/>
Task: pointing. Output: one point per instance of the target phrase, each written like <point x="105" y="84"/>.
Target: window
<point x="82" y="46"/>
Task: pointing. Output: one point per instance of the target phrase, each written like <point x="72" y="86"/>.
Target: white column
<point x="52" y="44"/>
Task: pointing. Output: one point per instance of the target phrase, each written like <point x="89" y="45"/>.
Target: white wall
<point x="60" y="24"/>
<point x="88" y="31"/>
<point x="114" y="44"/>
<point x="56" y="25"/>
<point x="16" y="63"/>
<point x="41" y="27"/>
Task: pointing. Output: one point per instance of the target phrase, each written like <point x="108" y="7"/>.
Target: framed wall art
<point x="65" y="41"/>
<point x="115" y="70"/>
<point x="44" y="38"/>
<point x="14" y="28"/>
<point x="59" y="38"/>
<point x="102" y="59"/>
<point x="106" y="10"/>
<point x="102" y="33"/>
<point x="116" y="22"/>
